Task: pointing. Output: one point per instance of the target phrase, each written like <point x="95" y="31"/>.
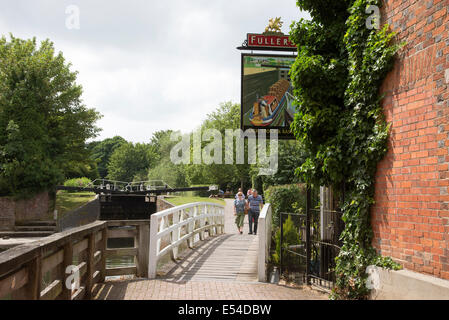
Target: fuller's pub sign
<point x="267" y="100"/>
<point x="276" y="41"/>
<point x="271" y="39"/>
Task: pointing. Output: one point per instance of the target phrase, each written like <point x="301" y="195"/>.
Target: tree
<point x="129" y="160"/>
<point x="226" y="116"/>
<point x="161" y="146"/>
<point x="171" y="174"/>
<point x="43" y="123"/>
<point x="81" y="168"/>
<point x="290" y="156"/>
<point x="101" y="152"/>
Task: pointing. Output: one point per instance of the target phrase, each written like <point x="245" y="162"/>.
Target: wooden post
<point x="90" y="267"/>
<point x="35" y="278"/>
<point x="154" y="244"/>
<point x="213" y="222"/>
<point x="68" y="261"/>
<point x="191" y="227"/>
<point x="220" y="228"/>
<point x="202" y="223"/>
<point x="103" y="247"/>
<point x="32" y="290"/>
<point x="175" y="235"/>
<point x="221" y="220"/>
<point x="143" y="251"/>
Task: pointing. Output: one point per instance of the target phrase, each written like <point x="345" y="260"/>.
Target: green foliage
<point x="43" y="123"/>
<point x="66" y="201"/>
<point x="164" y="169"/>
<point x="77" y="182"/>
<point x="181" y="200"/>
<point x="287" y="198"/>
<point x="101" y="152"/>
<point x="82" y="167"/>
<point x="337" y="75"/>
<point x="226" y="116"/>
<point x="290" y="237"/>
<point x="173" y="175"/>
<point x="290" y="153"/>
<point x="129" y="160"/>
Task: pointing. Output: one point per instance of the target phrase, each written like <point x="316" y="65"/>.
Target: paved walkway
<point x="220" y="268"/>
<point x="230" y="257"/>
<point x="201" y="290"/>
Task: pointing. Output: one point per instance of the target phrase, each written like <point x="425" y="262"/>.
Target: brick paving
<point x="201" y="290"/>
<point x="220" y="268"/>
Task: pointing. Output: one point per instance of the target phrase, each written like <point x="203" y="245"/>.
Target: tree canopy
<point x="44" y="124"/>
<point x="163" y="169"/>
<point x="226" y="116"/>
<point x="101" y="152"/>
<point x="128" y="161"/>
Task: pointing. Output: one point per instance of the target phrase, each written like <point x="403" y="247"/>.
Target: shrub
<point x="77" y="182"/>
<point x="287" y="198"/>
<point x="291" y="237"/>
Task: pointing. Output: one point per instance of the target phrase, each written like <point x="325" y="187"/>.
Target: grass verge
<point x="179" y="201"/>
<point x="66" y="201"/>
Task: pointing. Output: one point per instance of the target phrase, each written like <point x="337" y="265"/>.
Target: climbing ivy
<point x="337" y="75"/>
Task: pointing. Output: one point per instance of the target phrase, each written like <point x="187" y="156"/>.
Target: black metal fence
<point x="309" y="242"/>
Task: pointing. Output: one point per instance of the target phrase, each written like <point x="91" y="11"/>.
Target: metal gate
<point x="309" y="242"/>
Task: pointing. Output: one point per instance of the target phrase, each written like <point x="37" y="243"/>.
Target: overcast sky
<point x="150" y="65"/>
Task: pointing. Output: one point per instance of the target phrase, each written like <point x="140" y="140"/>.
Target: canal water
<point x="120" y="261"/>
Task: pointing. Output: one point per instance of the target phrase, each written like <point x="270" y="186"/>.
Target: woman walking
<point x="239" y="211"/>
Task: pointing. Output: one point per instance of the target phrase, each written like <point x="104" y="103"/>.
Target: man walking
<point x="255" y="205"/>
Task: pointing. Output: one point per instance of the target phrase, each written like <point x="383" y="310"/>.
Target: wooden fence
<point x="48" y="268"/>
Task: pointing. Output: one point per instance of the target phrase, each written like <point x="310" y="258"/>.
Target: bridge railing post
<point x="222" y="220"/>
<point x="103" y="245"/>
<point x="202" y="222"/>
<point x="211" y="219"/>
<point x="216" y="221"/>
<point x="265" y="220"/>
<point x="175" y="234"/>
<point x="154" y="245"/>
<point x="143" y="250"/>
<point x="193" y="218"/>
<point x="191" y="226"/>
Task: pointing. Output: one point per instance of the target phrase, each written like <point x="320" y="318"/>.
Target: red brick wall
<point x="12" y="211"/>
<point x="411" y="215"/>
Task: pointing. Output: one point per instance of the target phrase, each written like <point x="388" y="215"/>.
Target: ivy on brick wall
<point x="340" y="67"/>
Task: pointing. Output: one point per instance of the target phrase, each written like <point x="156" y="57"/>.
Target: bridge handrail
<point x="196" y="217"/>
<point x="265" y="226"/>
<point x="23" y="268"/>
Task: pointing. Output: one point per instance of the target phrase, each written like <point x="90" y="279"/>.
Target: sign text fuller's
<point x="268" y="101"/>
<point x="273" y="41"/>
